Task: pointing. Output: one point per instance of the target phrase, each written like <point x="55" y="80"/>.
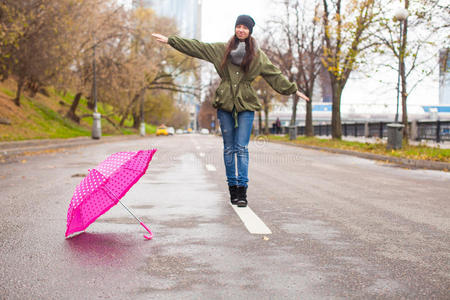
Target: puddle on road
<point x="129" y="220"/>
<point x="145" y="206"/>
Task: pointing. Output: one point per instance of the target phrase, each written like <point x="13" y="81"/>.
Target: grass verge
<point x="43" y="116"/>
<point x="421" y="152"/>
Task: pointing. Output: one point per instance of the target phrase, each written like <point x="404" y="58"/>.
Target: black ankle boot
<point x="233" y="194"/>
<point x="242" y="196"/>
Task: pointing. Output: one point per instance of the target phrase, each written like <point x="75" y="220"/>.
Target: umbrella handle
<point x="140" y="222"/>
<point x="146" y="228"/>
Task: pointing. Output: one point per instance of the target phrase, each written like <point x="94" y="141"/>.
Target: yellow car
<point x="162" y="130"/>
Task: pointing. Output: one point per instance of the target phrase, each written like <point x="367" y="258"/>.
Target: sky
<point x="218" y="19"/>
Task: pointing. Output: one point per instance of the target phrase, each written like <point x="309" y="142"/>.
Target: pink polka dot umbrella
<point x="103" y="188"/>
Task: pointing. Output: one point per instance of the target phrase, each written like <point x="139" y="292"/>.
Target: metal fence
<point x="436" y="130"/>
<point x="419" y="130"/>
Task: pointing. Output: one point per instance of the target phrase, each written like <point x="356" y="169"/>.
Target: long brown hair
<point x="250" y="52"/>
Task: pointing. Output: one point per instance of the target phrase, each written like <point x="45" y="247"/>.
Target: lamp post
<point x="96" y="122"/>
<point x="400" y="15"/>
<point x="395" y="130"/>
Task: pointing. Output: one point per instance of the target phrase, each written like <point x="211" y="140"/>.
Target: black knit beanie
<point x="247" y="21"/>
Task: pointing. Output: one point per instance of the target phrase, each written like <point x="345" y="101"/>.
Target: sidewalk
<point x="14" y="149"/>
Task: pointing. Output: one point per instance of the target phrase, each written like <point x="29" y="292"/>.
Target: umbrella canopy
<point x="104" y="186"/>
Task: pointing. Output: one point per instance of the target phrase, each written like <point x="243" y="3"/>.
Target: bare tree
<point x="97" y="22"/>
<point x="422" y="33"/>
<point x="38" y="51"/>
<point x="47" y="42"/>
<point x="346" y="25"/>
<point x="149" y="67"/>
<point x="299" y="51"/>
<point x="102" y="37"/>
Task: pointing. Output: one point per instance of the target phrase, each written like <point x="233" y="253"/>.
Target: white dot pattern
<point x="104" y="186"/>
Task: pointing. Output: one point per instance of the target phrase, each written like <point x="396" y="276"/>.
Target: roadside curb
<point x="12" y="150"/>
<point x="404" y="162"/>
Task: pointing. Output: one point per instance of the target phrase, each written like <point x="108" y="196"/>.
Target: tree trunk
<point x="266" y="117"/>
<point x="405" y="119"/>
<point x="20" y="84"/>
<point x="33" y="88"/>
<point x="294" y="110"/>
<point x="309" y="129"/>
<point x="71" y="113"/>
<point x="136" y="119"/>
<point x="336" y="126"/>
<point x="259" y="122"/>
<point x="403" y="77"/>
<point x="127" y="110"/>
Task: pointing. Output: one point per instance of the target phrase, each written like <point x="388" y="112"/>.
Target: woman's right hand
<point x="303" y="96"/>
<point x="160" y="38"/>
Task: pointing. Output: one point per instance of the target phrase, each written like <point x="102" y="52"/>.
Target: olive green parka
<point x="235" y="93"/>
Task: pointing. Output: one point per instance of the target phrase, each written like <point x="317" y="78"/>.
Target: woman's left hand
<point x="160" y="38"/>
<point x="301" y="95"/>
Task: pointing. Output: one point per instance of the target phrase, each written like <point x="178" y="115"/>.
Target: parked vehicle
<point x="204" y="131"/>
<point x="179" y="131"/>
<point x="162" y="130"/>
<point x="171" y="130"/>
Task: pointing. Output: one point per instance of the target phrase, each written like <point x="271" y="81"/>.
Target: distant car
<point x="171" y="130"/>
<point x="179" y="131"/>
<point x="204" y="131"/>
<point x="162" y="130"/>
<point x="189" y="130"/>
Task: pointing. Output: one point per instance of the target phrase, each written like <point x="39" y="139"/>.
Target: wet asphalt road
<point x="342" y="228"/>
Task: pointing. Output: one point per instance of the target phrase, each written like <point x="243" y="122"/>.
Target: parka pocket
<point x="218" y="98"/>
<point x="250" y="101"/>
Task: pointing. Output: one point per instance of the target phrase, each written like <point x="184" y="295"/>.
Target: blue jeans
<point x="235" y="145"/>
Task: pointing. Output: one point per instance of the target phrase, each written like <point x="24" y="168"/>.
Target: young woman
<point x="238" y="63"/>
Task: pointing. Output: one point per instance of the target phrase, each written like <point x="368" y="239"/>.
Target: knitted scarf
<point x="237" y="55"/>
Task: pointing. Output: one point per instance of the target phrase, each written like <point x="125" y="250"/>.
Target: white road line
<point x="202" y="154"/>
<point x="210" y="168"/>
<point x="253" y="223"/>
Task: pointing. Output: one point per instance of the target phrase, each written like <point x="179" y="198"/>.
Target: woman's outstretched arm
<point x="273" y="76"/>
<point x="206" y="51"/>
